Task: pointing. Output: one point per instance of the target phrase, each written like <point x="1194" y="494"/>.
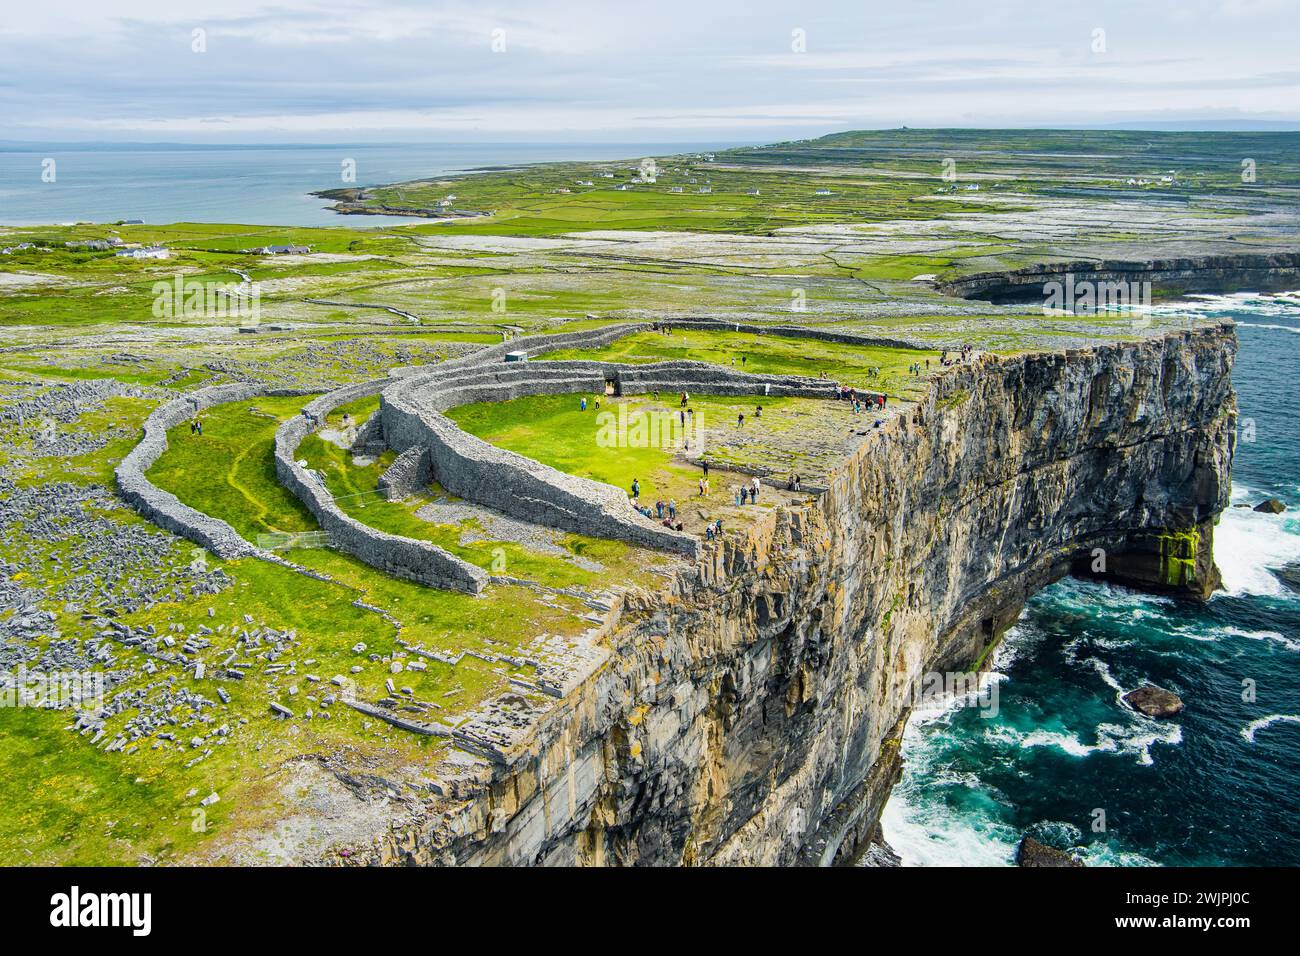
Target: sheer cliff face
<point x="752" y="715"/>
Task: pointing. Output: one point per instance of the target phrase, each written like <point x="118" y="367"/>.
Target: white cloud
<point x="311" y="68"/>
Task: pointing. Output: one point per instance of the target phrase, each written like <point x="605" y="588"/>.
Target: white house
<point x="144" y="252"/>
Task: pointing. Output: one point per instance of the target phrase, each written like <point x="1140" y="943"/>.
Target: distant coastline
<point x="272" y="185"/>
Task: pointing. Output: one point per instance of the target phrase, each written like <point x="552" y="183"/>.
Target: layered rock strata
<point x="752" y="715"/>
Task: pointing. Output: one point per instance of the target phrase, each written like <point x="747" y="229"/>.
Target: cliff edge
<point x="753" y="714"/>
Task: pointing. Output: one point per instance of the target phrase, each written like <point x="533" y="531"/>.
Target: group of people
<point x="666" y="512"/>
<point x="582" y="403"/>
<point x="963" y="355"/>
<point x="748" y="493"/>
<point x="915" y="368"/>
<point x="861" y="402"/>
<point x="196" y="425"/>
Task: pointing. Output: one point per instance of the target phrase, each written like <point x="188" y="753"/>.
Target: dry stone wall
<point x="162" y="507"/>
<point x="432" y="447"/>
<point x="405" y="558"/>
<point x="479" y="471"/>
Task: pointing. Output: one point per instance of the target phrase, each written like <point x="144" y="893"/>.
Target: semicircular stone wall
<point x="412" y="410"/>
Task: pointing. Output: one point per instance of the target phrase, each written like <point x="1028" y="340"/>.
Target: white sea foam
<point x="1284" y="303"/>
<point x="1274" y="328"/>
<point x="1135" y="739"/>
<point x="933" y="835"/>
<point x="1255" y="726"/>
<point x="1248" y="544"/>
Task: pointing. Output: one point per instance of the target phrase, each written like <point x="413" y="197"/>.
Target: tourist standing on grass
<point x="740" y="420"/>
<point x="636" y="489"/>
<point x="704" y="463"/>
<point x="672" y="509"/>
<point x="757" y="485"/>
<point x="583" y="404"/>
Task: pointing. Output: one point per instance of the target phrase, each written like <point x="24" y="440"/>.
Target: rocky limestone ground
<point x="773" y="598"/>
<point x="745" y="707"/>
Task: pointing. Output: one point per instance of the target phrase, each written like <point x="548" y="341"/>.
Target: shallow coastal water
<point x="1217" y="785"/>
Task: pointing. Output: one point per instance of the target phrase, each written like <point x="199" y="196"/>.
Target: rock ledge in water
<point x="1154" y="701"/>
<point x="1032" y="853"/>
<point x="1271" y="506"/>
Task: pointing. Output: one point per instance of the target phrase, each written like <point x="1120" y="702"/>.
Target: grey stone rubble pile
<point x="99" y="562"/>
<point x="170" y="713"/>
<point x="66" y="403"/>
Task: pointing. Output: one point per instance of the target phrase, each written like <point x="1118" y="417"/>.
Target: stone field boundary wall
<point x="402" y="557"/>
<point x="162" y="507"/>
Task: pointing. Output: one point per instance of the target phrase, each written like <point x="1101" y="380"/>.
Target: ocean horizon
<point x="249" y="184"/>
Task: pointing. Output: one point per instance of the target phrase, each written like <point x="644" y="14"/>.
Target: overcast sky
<point x="619" y="70"/>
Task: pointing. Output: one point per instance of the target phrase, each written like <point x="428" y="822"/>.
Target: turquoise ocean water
<point x="1218" y="785"/>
